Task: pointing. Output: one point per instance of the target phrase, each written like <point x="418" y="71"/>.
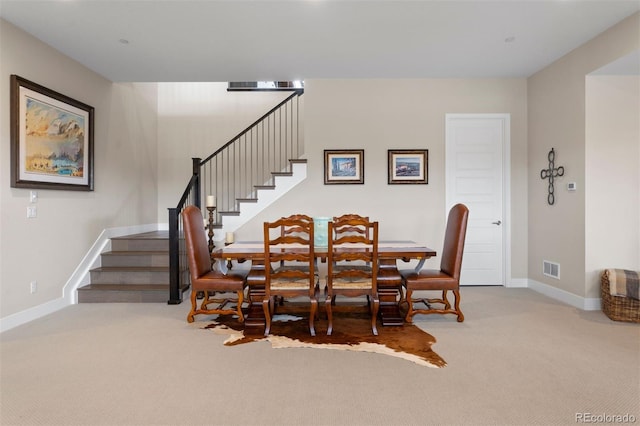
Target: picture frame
<point x="51" y="139"/>
<point x="343" y="166"/>
<point x="408" y="166"/>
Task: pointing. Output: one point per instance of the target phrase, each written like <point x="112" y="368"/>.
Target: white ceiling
<point x="241" y="40"/>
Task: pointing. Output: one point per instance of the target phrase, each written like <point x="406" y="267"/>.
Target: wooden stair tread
<point x="134" y="252"/>
<point x="152" y="235"/>
<point x="125" y="287"/>
<point x="131" y="268"/>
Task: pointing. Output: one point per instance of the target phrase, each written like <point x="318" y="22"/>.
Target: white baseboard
<point x="586" y="304"/>
<point x="78" y="278"/>
<point x="518" y="283"/>
<point x="23" y="317"/>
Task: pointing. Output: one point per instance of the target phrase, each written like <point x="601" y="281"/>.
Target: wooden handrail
<point x="296" y="92"/>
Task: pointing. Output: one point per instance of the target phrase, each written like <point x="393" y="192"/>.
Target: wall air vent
<point x="551" y="269"/>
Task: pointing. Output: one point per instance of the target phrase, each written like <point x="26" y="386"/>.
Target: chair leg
<point x="328" y="302"/>
<point x="401" y="293"/>
<point x="239" y="306"/>
<point x="447" y="305"/>
<point x="410" y="312"/>
<point x="193" y="306"/>
<point x="312" y="316"/>
<point x="374" y="314"/>
<point x="267" y="316"/>
<point x="456" y="304"/>
<point x="316" y="294"/>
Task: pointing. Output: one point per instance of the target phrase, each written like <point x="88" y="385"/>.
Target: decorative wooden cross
<point x="551" y="173"/>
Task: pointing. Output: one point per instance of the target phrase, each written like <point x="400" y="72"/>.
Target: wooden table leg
<point x="254" y="321"/>
<point x="389" y="288"/>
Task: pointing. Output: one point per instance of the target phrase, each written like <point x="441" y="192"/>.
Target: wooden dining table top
<point x="254" y="250"/>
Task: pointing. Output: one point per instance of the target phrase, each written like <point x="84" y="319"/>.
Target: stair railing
<point x="233" y="174"/>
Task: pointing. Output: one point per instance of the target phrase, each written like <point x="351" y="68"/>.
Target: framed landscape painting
<point x="343" y="166"/>
<point x="51" y="139"/>
<point x="408" y="166"/>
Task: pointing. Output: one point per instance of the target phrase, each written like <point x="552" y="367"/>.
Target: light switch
<point x="32" y="212"/>
<point x="33" y="196"/>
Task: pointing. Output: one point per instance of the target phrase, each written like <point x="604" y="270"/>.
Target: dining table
<point x="389" y="278"/>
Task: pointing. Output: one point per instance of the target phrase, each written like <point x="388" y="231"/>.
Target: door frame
<point x="506" y="182"/>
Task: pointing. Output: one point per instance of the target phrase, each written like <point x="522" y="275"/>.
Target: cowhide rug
<point x="351" y="332"/>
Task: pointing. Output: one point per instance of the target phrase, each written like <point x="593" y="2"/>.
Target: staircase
<point x="135" y="270"/>
<point x="245" y="175"/>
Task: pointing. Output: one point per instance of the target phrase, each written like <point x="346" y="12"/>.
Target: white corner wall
<point x="612" y="181"/>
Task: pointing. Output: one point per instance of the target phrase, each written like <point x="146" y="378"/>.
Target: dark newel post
<point x="175" y="296"/>
<point x="196" y="184"/>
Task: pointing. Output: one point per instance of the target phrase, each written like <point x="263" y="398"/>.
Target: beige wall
<point x="612" y="176"/>
<point x="556" y="119"/>
<point x="377" y="115"/>
<point x="49" y="248"/>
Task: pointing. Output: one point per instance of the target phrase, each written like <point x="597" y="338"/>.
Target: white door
<point x="476" y="169"/>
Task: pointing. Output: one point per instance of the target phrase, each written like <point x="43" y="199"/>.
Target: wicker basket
<point x="618" y="308"/>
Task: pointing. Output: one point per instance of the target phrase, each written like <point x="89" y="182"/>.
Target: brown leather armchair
<point x="447" y="277"/>
<point x="203" y="278"/>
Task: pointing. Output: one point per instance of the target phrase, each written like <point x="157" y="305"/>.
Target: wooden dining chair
<point x="341" y="228"/>
<point x="203" y="278"/>
<point x="298" y="277"/>
<point x="389" y="279"/>
<point x="346" y="275"/>
<point x="447" y="277"/>
<point x="256" y="278"/>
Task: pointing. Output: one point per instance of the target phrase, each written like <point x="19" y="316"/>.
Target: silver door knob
<point x="497" y="223"/>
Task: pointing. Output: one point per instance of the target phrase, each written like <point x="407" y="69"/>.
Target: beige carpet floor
<point x="519" y="358"/>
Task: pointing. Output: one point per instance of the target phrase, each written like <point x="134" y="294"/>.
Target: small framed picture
<point x="343" y="166"/>
<point x="51" y="139"/>
<point x="408" y="166"/>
